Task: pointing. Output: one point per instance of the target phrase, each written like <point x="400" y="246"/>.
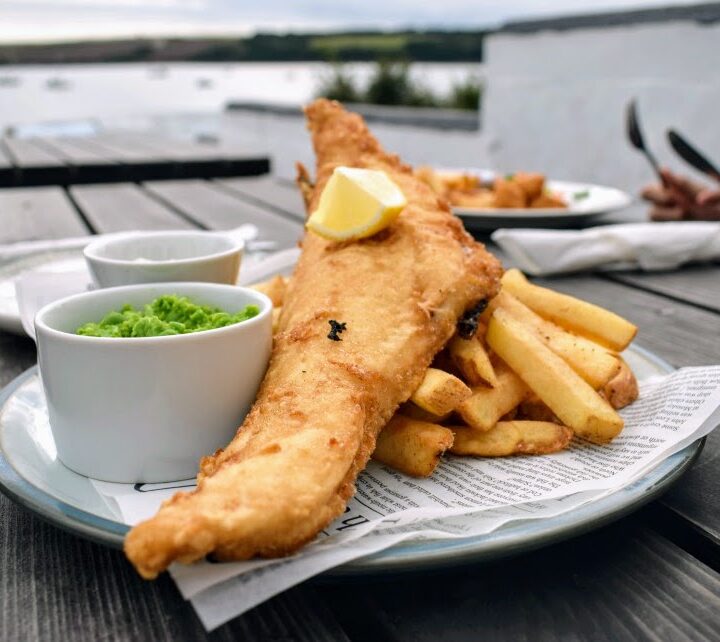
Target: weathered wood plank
<point x="33" y="165"/>
<point x="134" y="163"/>
<point x="621" y="583"/>
<point x="8" y="175"/>
<point x="215" y="208"/>
<point x="120" y="151"/>
<point x="149" y="144"/>
<point x="54" y="586"/>
<point x="168" y="148"/>
<point x="269" y="192"/>
<point x="125" y="206"/>
<point x="181" y="150"/>
<point x="194" y="160"/>
<point x="697" y="497"/>
<point x="4" y="158"/>
<point x="119" y="156"/>
<point x="72" y="153"/>
<point x="147" y="160"/>
<point x="27" y="154"/>
<point x="697" y="284"/>
<point x="84" y="165"/>
<point x="28" y="214"/>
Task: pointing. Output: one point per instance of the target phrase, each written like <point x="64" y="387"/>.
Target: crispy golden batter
<point x="292" y="465"/>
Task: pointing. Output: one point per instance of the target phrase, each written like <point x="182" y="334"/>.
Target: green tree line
<point x="420" y="46"/>
<point x="391" y="84"/>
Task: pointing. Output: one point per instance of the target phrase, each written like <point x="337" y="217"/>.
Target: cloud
<point x="100" y="4"/>
<point x="22" y="20"/>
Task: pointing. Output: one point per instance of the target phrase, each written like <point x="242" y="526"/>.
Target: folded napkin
<point x="644" y="246"/>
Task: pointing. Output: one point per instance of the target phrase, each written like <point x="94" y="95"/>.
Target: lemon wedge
<point x="356" y="203"/>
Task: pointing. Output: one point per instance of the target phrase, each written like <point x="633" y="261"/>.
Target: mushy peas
<point x="167" y="315"/>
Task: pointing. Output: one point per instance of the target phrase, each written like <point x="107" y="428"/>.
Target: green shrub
<point x="466" y="94"/>
<point x="391" y="84"/>
<point x="340" y="86"/>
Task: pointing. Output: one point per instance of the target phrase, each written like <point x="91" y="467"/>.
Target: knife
<point x="691" y="155"/>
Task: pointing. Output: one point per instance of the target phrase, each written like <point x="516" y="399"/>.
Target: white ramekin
<point x="154" y="257"/>
<point x="146" y="409"/>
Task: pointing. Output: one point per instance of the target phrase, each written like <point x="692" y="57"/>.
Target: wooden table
<point x="652" y="575"/>
<point x="118" y="156"/>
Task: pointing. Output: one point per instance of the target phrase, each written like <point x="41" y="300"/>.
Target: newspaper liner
<point x="465" y="497"/>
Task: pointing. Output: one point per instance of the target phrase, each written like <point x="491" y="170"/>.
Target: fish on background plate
<point x="398" y="295"/>
<point x="486" y="201"/>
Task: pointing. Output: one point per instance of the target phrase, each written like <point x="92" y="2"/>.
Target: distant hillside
<point x="407" y="46"/>
<point x="426" y="46"/>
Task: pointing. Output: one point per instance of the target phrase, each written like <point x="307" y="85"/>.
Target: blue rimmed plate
<point x="31" y="474"/>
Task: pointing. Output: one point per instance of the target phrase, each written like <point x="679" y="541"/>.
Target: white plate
<point x="596" y="200"/>
<point x="31" y="474"/>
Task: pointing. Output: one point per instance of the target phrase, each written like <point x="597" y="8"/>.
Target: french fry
<point x="581" y="317"/>
<point x="472" y="360"/>
<point x="534" y="409"/>
<point x="622" y="389"/>
<point x="510" y="416"/>
<point x="440" y="392"/>
<point x="274" y="288"/>
<point x="442" y="361"/>
<point x="565" y="392"/>
<point x="512" y="438"/>
<point x="412" y="411"/>
<point x="412" y="447"/>
<point x="590" y="360"/>
<point x="482" y="410"/>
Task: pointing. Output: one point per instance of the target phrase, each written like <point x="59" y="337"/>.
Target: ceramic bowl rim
<point x="91" y="251"/>
<point x="41" y="325"/>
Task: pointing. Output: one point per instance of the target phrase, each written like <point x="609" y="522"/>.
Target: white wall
<point x="555" y="101"/>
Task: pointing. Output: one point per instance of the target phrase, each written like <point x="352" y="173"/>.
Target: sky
<point x="44" y="20"/>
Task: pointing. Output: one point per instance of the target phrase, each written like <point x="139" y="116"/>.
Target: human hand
<point x="682" y="199"/>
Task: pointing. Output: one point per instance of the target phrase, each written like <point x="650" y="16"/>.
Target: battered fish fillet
<point x="292" y="465"/>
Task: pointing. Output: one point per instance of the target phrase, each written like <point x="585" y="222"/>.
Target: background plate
<point x="598" y="200"/>
<point x="31" y="474"/>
